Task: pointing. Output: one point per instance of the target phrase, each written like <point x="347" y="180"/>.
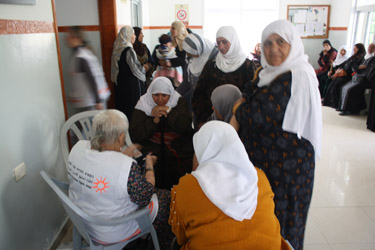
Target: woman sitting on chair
<point x="226" y="203"/>
<point x="106" y="182"/>
<point x="161" y="123"/>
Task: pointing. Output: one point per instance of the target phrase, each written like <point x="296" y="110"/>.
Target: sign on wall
<point x="311" y="21"/>
<point x="182" y="13"/>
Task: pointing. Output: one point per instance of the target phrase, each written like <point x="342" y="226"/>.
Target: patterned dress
<point x="140" y="192"/>
<point x="288" y="161"/>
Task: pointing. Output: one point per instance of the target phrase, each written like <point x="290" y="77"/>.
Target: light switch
<point x="20" y="171"/>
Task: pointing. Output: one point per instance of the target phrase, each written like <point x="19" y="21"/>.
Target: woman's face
<point x="223" y="45"/>
<point x="132" y="38"/>
<point x="355" y="50"/>
<point x="276" y="50"/>
<point x="342" y="52"/>
<point x="257" y="47"/>
<point x="160" y="99"/>
<point x="173" y="31"/>
<point x="140" y="37"/>
<point x="371" y="48"/>
<point x="326" y="47"/>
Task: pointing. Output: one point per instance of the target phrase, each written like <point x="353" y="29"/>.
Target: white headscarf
<point x="158" y="85"/>
<point x="303" y="114"/>
<point x="122" y="41"/>
<point x="197" y="45"/>
<point x="223" y="99"/>
<point x="340" y="59"/>
<point x="225" y="173"/>
<point x="235" y="57"/>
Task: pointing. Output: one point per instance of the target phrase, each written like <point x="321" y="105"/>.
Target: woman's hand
<point x="163" y="63"/>
<point x="146" y="67"/>
<point x="133" y="150"/>
<point x="158" y="112"/>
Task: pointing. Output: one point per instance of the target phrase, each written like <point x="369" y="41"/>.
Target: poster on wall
<point x="25" y="2"/>
<point x="311" y="21"/>
<point x="182" y="13"/>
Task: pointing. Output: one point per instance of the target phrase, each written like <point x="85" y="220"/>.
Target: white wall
<point x="31" y="111"/>
<point x="162" y="13"/>
<point x="73" y="12"/>
<point x="339" y="17"/>
<point x="123" y="12"/>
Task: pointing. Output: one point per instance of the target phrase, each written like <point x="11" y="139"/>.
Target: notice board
<point x="311" y="21"/>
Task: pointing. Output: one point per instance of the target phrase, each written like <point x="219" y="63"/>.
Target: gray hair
<point x="107" y="127"/>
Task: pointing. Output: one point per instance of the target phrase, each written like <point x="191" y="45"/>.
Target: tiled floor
<point x="342" y="213"/>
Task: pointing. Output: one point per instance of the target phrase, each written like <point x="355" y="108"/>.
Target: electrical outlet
<point x="20" y="171"/>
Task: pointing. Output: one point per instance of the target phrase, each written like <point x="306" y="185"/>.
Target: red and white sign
<point x="182" y="13"/>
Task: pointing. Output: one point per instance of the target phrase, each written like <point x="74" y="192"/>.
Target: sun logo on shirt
<point x="101" y="185"/>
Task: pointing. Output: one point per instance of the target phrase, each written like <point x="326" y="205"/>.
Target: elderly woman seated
<point x="223" y="98"/>
<point x="107" y="182"/>
<point x="226" y="203"/>
<point x="161" y="123"/>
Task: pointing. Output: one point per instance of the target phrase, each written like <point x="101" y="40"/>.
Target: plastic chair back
<point x="79" y="218"/>
<point x="81" y="126"/>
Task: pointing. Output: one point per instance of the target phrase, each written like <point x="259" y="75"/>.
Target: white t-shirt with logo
<point x="98" y="185"/>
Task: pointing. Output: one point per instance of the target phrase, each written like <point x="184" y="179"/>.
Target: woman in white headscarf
<point x="225" y="193"/>
<point x="199" y="50"/>
<point x="230" y="66"/>
<point x="324" y="80"/>
<point x="280" y="124"/>
<point x="162" y="111"/>
<point x="127" y="72"/>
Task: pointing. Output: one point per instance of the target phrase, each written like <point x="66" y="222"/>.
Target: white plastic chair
<point x="78" y="217"/>
<point x="81" y="126"/>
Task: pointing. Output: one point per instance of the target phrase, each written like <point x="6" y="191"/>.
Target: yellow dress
<point x="199" y="224"/>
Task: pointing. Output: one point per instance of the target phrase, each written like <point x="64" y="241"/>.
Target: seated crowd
<point x="228" y="145"/>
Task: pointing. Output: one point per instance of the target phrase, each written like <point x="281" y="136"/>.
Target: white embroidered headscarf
<point x="162" y="85"/>
<point x="225" y="173"/>
<point x="235" y="57"/>
<point x="339" y="58"/>
<point x="197" y="45"/>
<point x="122" y="41"/>
<point x="303" y="114"/>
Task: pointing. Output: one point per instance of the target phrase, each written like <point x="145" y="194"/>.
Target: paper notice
<point x="301" y="29"/>
<point x="310" y="29"/>
<point x="318" y="30"/>
<point x="300" y="16"/>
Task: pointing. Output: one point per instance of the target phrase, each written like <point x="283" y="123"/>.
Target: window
<point x="364" y="25"/>
<point x="249" y="19"/>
